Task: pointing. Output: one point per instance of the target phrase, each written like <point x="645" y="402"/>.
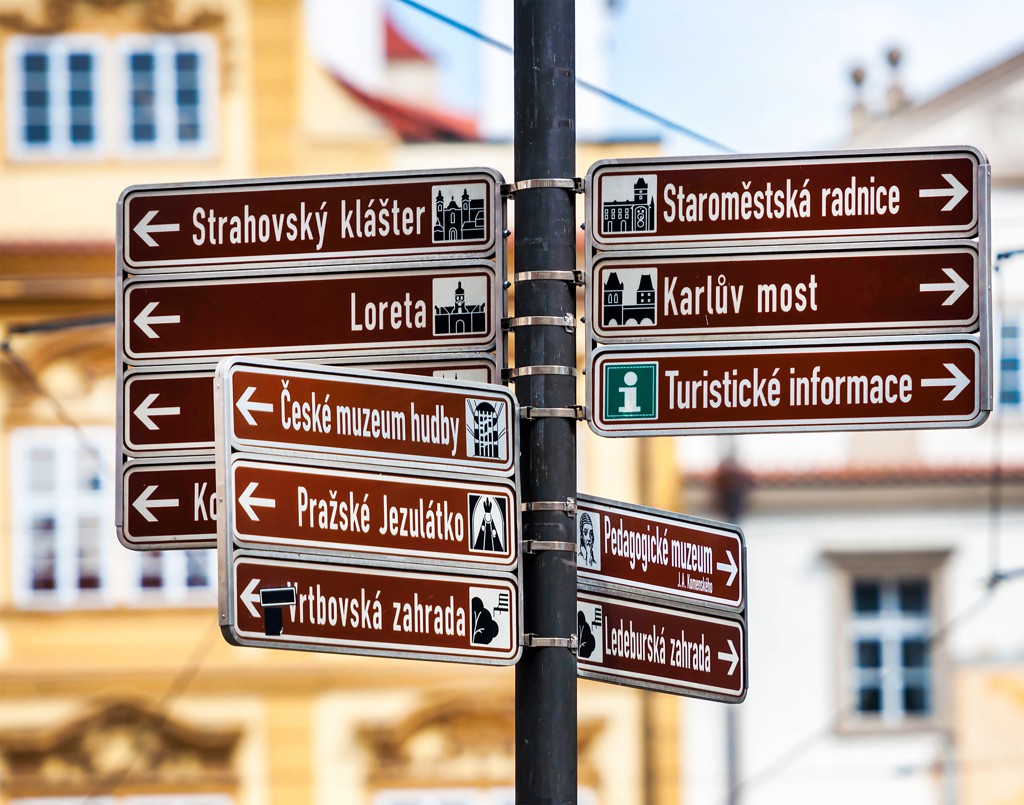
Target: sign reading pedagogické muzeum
<point x="370" y="512"/>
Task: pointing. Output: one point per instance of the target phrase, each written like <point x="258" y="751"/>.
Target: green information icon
<point x="630" y="391"/>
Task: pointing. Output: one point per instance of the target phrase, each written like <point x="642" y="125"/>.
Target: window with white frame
<point x="64" y="549"/>
<point x="63" y="514"/>
<point x="77" y="96"/>
<point x="169" y="84"/>
<point x="54" y="95"/>
<point x="891" y="667"/>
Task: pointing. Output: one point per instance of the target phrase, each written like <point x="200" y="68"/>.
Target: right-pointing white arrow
<point x="957" y="382"/>
<point x="956" y="191"/>
<point x="146" y="410"/>
<point x="956" y="286"/>
<point x="247" y="500"/>
<point x="144" y="502"/>
<point x="731" y="656"/>
<point x="144" y="227"/>
<point x="250" y="597"/>
<point x="729" y="568"/>
<point x="145" y="320"/>
<point x="247" y="406"/>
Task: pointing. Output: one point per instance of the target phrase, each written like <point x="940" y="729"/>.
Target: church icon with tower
<point x="628" y="203"/>
<point x="460" y="213"/>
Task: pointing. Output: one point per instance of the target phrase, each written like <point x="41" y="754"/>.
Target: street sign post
<point x="360" y="217"/>
<point x="836" y="196"/>
<point x="357" y="513"/>
<point x="375" y="611"/>
<point x="396" y="269"/>
<point x="798" y="385"/>
<point x="205" y="317"/>
<point x="650" y="554"/>
<point x="165" y="504"/>
<point x="653" y="647"/>
<point x="171" y="412"/>
<point x="789" y="292"/>
<point x="389" y="503"/>
<point x="169" y="418"/>
<point x="658" y="296"/>
<point x="367" y="416"/>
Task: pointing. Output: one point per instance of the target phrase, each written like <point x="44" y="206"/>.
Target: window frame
<point x="58" y="48"/>
<point x="66" y="507"/>
<point x="120" y="570"/>
<point x="165" y="47"/>
<point x="893" y="566"/>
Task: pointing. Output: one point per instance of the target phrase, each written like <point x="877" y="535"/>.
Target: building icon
<point x="634" y="214"/>
<point x="460" y="318"/>
<point x="465" y="219"/>
<point x="616" y="311"/>
<point x="484" y="420"/>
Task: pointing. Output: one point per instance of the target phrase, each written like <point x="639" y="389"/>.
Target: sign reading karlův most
<point x="399" y="271"/>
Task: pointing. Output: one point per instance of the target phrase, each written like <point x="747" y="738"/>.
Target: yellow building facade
<point x="116" y="685"/>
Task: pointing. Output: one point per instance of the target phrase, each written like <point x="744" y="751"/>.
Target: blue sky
<point x="756" y="75"/>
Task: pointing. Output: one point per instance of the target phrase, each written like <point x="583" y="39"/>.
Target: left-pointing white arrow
<point x="956" y="191"/>
<point x="145" y="320"/>
<point x="248" y="501"/>
<point x="144" y="502"/>
<point x="146" y="410"/>
<point x="246" y="405"/>
<point x="731" y="656"/>
<point x="957" y="382"/>
<point x="250" y="597"/>
<point x="146" y="227"/>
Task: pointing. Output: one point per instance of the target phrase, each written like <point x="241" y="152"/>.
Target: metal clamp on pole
<point x="533" y="641"/>
<point x="568" y="506"/>
<point x="566" y="322"/>
<point x="515" y="373"/>
<point x="574" y="185"/>
<point x="577" y="412"/>
<point x="540" y="545"/>
<point x="575" y="277"/>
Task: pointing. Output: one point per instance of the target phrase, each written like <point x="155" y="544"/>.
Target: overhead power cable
<point x="609" y="96"/>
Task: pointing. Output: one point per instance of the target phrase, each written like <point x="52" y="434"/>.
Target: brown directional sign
<point x="658" y="648"/>
<point x="787" y="386"/>
<point x="173" y="411"/>
<point x="423" y="307"/>
<point x="379" y="612"/>
<point x="373" y="516"/>
<point x="384" y="215"/>
<point x="668" y="297"/>
<point x="168" y="505"/>
<point x="368" y="416"/>
<point x="634" y="551"/>
<point x="856" y="195"/>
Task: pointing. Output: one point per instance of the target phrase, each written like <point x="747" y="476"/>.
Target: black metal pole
<point x="545" y="240"/>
